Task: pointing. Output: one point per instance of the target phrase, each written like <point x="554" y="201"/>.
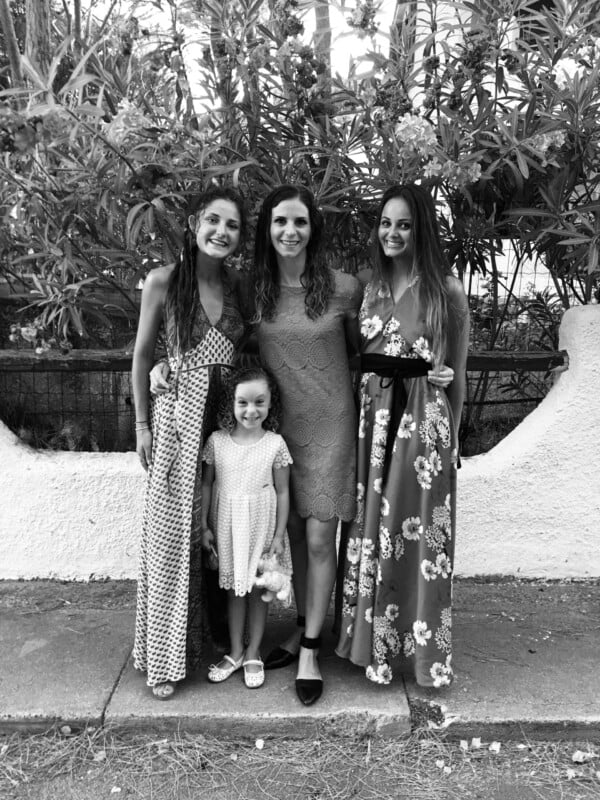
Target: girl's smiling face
<point x="251" y="403"/>
<point x="218" y="229"/>
<point x="290" y="229"/>
<point x="395" y="229"/>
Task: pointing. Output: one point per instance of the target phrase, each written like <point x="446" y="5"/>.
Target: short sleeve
<point x="208" y="454"/>
<point x="282" y="456"/>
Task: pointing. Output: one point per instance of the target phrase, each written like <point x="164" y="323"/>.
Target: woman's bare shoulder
<point x="157" y="280"/>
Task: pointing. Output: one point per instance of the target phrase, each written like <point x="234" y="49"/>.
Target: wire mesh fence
<point x="85" y="401"/>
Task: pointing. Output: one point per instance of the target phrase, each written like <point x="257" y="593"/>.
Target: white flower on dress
<point x="385" y="507"/>
<point x="421" y="632"/>
<point x="444" y="567"/>
<point x="392" y="612"/>
<point x="349" y="587"/>
<point x="435" y="461"/>
<point x="366" y="584"/>
<point x="443" y="429"/>
<point x="370" y="327"/>
<point x="377" y="454"/>
<point x="424" y="480"/>
<point x="382" y="417"/>
<point x="398" y="547"/>
<point x="408" y="645"/>
<point x="441" y="673"/>
<point x="382" y="674"/>
<point x="406" y="427"/>
<point x="368" y="546"/>
<point x="369" y="615"/>
<point x="362" y="427"/>
<point x="421" y="348"/>
<point x="422" y="464"/>
<point x="412" y="528"/>
<point x="394" y="346"/>
<point x="428" y="570"/>
<point x="354" y="550"/>
<point x="385" y="542"/>
<point x="391" y="327"/>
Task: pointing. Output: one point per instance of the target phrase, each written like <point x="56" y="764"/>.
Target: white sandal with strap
<point x="254" y="680"/>
<point x="217" y="674"/>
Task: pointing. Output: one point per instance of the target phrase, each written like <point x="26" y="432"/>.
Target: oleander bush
<point x="493" y="105"/>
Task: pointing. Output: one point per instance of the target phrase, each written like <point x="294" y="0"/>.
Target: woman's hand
<point x="143" y="447"/>
<point x="441" y="377"/>
<point x="158" y="378"/>
<point x="207" y="538"/>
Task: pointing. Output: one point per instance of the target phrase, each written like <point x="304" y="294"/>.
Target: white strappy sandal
<point x="254" y="680"/>
<point x="217" y="674"/>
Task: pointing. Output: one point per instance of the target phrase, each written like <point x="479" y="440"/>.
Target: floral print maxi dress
<point x="396" y="613"/>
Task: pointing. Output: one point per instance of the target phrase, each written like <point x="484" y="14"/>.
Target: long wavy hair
<point x="182" y="293"/>
<point x="429" y="261"/>
<point x="226" y="417"/>
<point x="317" y="278"/>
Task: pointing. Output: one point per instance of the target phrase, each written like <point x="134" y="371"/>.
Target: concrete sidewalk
<point x="526" y="656"/>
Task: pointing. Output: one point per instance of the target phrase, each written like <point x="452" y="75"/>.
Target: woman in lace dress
<point x="398" y="570"/>
<point x="307" y="324"/>
<point x="196" y="301"/>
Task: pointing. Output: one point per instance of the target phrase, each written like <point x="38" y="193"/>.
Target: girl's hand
<point x="441" y="377"/>
<point x="276" y="546"/>
<point x="143" y="447"/>
<point x="158" y="378"/>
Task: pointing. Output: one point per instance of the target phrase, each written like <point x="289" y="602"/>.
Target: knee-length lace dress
<point x="168" y="628"/>
<point x="396" y="614"/>
<point x="243" y="511"/>
<point x="309" y="359"/>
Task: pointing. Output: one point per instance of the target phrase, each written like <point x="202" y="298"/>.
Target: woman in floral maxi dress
<point x="397" y="588"/>
<point x="197" y="302"/>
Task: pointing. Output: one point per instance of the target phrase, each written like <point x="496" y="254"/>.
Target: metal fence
<point x="84" y="401"/>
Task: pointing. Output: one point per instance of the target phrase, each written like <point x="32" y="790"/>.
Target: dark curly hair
<point x="226" y="416"/>
<point x="317" y="278"/>
<point x="182" y="294"/>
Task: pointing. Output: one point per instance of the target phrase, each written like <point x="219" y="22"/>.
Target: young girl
<point x="245" y="484"/>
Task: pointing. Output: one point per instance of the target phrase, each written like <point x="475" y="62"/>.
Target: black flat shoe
<point x="279" y="657"/>
<point x="309" y="690"/>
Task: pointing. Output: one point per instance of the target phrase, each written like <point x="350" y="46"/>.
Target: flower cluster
<point x="415" y="135"/>
<point x="34" y="334"/>
<point x="128" y="121"/>
<point x="362" y="18"/>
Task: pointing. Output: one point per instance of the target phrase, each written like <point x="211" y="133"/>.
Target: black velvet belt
<point x="392" y="371"/>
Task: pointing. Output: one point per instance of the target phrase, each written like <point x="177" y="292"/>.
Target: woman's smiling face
<point x="395" y="229"/>
<point x="290" y="229"/>
<point x="218" y="229"/>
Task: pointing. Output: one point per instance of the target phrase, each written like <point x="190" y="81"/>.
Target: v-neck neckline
<point x="205" y="312"/>
<point x="408" y="287"/>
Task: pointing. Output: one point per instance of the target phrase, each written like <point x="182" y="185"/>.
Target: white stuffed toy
<point x="275" y="579"/>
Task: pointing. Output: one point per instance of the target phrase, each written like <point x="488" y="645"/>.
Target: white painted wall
<point x="529" y="507"/>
